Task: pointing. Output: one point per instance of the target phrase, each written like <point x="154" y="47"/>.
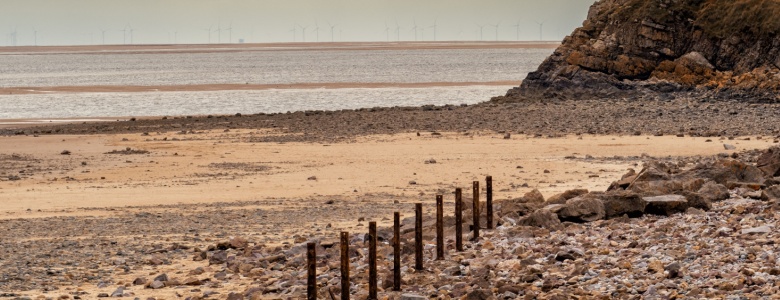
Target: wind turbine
<point x="434" y="28"/>
<point x="397" y="31"/>
<point x="415" y="30"/>
<point x="496" y="26"/>
<point x="295" y="32"/>
<point x="131" y="34"/>
<point x="124" y="35"/>
<point x="317" y="30"/>
<point x="481" y="27"/>
<point x="387" y="31"/>
<point x="332" y="26"/>
<point x="517" y="26"/>
<point x="219" y="33"/>
<point x="209" y="32"/>
<point x="230" y="32"/>
<point x="303" y="31"/>
<point x="35" y="37"/>
<point x="540" y="29"/>
<point x="102" y="34"/>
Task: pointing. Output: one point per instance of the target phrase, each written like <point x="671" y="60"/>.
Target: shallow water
<point x="257" y="67"/>
<point x="231" y="102"/>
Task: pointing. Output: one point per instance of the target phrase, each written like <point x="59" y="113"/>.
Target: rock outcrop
<point x="662" y="49"/>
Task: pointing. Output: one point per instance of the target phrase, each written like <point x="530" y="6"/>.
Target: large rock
<point x="714" y="191"/>
<point x="659" y="49"/>
<point x="724" y="171"/>
<point x="769" y="162"/>
<point x="666" y="205"/>
<point x="542" y="218"/>
<point x="565" y="196"/>
<point x="582" y="209"/>
<point x="617" y="204"/>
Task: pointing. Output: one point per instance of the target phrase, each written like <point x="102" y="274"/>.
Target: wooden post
<point x="439" y="227"/>
<point x="418" y="236"/>
<point x="311" y="255"/>
<point x="372" y="276"/>
<point x="344" y="265"/>
<point x="459" y="219"/>
<point x="396" y="251"/>
<point x="489" y="200"/>
<point x="475" y="210"/>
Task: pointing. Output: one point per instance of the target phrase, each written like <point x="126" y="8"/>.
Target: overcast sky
<point x="66" y="22"/>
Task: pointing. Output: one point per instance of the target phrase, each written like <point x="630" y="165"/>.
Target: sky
<point x="79" y="22"/>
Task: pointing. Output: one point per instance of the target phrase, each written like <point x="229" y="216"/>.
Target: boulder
<point x="534" y="196"/>
<point x="769" y="162"/>
<point x="582" y="209"/>
<point x="714" y="191"/>
<point x="617" y="204"/>
<point x="665" y="205"/>
<point x="542" y="218"/>
<point x="696" y="200"/>
<point x="565" y="196"/>
<point x="724" y="171"/>
<point x="771" y="193"/>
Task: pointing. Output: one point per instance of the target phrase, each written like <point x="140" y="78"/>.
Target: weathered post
<point x="489" y="201"/>
<point x="418" y="236"/>
<point x="344" y="265"/>
<point x="439" y="227"/>
<point x="311" y="255"/>
<point x="396" y="251"/>
<point x="475" y="210"/>
<point x="372" y="275"/>
<point x="459" y="219"/>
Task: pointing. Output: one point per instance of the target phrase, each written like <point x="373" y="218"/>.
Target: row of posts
<point x="418" y="242"/>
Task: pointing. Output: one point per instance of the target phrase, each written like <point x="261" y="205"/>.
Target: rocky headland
<point x="664" y="49"/>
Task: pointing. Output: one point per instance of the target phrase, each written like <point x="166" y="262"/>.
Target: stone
<point x="714" y="191"/>
<point x="541" y="218"/>
<point x="771" y="193"/>
<point x="619" y="203"/>
<point x="235" y="296"/>
<point x="696" y="200"/>
<point x="729" y="147"/>
<point x="139" y="281"/>
<point x="218" y="257"/>
<point x="238" y="243"/>
<point x="760" y="229"/>
<point x="413" y="297"/>
<point x="156" y="285"/>
<point x="565" y="196"/>
<point x="534" y="196"/>
<point x="65" y="152"/>
<point x="118" y="292"/>
<point x="673" y="270"/>
<point x="162" y="278"/>
<point x="478" y="294"/>
<point x="665" y="205"/>
<point x="769" y="162"/>
<point x="582" y="209"/>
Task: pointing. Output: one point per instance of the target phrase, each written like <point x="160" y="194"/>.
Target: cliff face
<point x="724" y="49"/>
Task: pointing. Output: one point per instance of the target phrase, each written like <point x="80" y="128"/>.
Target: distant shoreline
<point x="210" y="48"/>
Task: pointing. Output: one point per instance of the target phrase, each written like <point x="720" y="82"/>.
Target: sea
<point x="266" y="65"/>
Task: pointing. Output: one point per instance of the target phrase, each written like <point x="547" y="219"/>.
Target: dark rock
<point x="565" y="196"/>
<point x="665" y="205"/>
<point x="714" y="191"/>
<point x="161" y="278"/>
<point x="582" y="209"/>
<point x="771" y="193"/>
<point x="541" y="218"/>
<point x="235" y="296"/>
<point x="769" y="162"/>
<point x="619" y="203"/>
<point x="219" y="257"/>
<point x="674" y="270"/>
<point x="140" y="281"/>
<point x="65" y="152"/>
<point x="156" y="285"/>
<point x="534" y="196"/>
<point x="725" y="170"/>
<point x="478" y="294"/>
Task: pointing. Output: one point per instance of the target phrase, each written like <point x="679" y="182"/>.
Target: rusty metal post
<point x="344" y="265"/>
<point x="396" y="251"/>
<point x="372" y="275"/>
<point x="475" y="210"/>
<point x="311" y="255"/>
<point x="459" y="219"/>
<point x="418" y="236"/>
<point x="439" y="227"/>
<point x="489" y="201"/>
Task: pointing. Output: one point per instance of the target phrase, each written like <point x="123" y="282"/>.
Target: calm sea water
<point x="260" y="67"/>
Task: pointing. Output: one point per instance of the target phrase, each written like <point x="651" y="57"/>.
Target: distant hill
<point x="661" y="49"/>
